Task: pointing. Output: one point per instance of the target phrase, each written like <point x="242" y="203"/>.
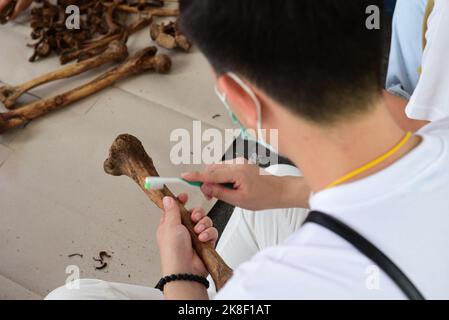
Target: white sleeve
<point x="436" y="126"/>
<point x="430" y="101"/>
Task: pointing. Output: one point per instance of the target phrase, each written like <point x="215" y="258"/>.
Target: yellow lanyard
<point x="429" y="8"/>
<point x="373" y="163"/>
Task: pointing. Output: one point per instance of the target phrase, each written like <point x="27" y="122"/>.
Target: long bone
<point x="144" y="60"/>
<point x="128" y="157"/>
<point x="116" y="52"/>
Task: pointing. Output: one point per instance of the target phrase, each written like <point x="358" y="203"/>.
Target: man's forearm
<point x="295" y="193"/>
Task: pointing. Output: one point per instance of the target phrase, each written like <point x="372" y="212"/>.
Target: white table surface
<point x="55" y="199"/>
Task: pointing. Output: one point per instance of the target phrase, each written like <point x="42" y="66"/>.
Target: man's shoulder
<point x="439" y="127"/>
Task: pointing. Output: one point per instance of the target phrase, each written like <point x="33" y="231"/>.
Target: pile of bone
<point x="98" y="20"/>
<point x="101" y="40"/>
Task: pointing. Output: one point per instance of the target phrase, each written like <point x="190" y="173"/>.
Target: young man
<point x="311" y="70"/>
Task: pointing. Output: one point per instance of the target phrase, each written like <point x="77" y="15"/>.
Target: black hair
<point x="315" y="57"/>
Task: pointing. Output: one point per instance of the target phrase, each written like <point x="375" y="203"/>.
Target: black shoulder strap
<point x="369" y="250"/>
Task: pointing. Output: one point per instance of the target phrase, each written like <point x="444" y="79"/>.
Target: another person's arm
<point x="430" y="99"/>
<point x="421" y="77"/>
<point x="21" y="5"/>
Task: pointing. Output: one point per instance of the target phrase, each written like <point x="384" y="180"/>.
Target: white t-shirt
<point x="403" y="210"/>
<point x="430" y="100"/>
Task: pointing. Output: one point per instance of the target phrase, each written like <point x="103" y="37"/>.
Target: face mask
<point x="235" y="120"/>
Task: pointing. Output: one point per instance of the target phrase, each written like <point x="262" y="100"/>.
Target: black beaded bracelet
<point x="181" y="277"/>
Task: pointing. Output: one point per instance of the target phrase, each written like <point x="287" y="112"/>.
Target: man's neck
<point x="326" y="155"/>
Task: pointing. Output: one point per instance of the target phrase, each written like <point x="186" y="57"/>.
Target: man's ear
<point x="239" y="100"/>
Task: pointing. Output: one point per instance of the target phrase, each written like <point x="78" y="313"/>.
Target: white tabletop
<point x="55" y="199"/>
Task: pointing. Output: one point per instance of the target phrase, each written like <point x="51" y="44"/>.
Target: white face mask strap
<point x="253" y="97"/>
<point x="221" y="95"/>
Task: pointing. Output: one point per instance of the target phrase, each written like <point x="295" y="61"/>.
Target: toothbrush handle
<point x="200" y="184"/>
<point x="228" y="185"/>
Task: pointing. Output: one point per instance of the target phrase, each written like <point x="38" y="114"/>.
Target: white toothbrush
<point x="157" y="183"/>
